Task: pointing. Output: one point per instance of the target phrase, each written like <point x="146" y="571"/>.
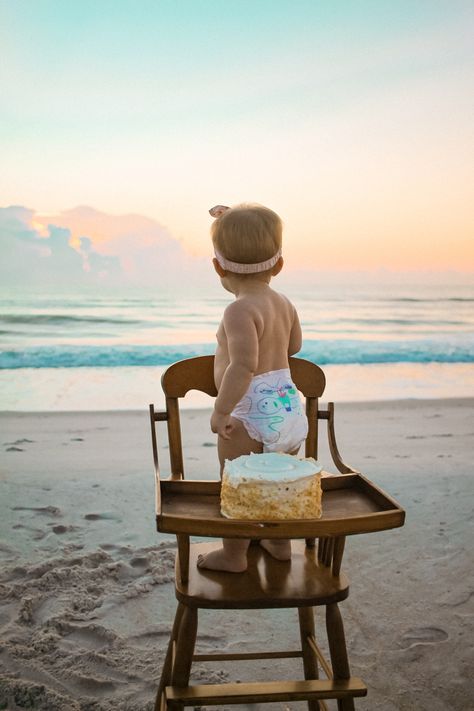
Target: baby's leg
<point x="232" y="557"/>
<point x="278" y="548"/>
<point x="239" y="443"/>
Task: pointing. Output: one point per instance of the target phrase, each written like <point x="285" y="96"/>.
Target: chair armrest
<point x="336" y="457"/>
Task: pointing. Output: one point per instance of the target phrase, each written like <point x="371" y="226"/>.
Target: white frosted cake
<point x="271" y="486"/>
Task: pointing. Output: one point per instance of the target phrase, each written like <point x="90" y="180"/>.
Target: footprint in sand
<point x="60" y="528"/>
<point x="106" y="516"/>
<point x="93" y="684"/>
<point x="422" y="635"/>
<point x="140" y="562"/>
<point x="13" y="446"/>
<point x="88" y="637"/>
<point x="47" y="510"/>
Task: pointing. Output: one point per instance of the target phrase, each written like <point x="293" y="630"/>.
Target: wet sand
<point x="86" y="592"/>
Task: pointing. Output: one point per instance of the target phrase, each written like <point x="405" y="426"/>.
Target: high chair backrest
<point x="198" y="374"/>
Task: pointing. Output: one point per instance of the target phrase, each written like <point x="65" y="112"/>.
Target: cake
<point x="271" y="486"/>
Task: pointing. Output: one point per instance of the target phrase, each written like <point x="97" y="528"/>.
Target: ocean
<point x="89" y="351"/>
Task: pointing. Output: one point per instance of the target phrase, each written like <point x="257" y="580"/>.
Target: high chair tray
<point x="351" y="504"/>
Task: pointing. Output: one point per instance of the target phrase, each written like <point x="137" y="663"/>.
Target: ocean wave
<point x="437" y="300"/>
<point x="61" y="319"/>
<point x="342" y="352"/>
<point x="337" y="351"/>
<point x="11" y="323"/>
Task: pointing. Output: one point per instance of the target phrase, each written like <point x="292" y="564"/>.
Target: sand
<point x="86" y="592"/>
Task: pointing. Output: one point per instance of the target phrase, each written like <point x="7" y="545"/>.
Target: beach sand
<point x="86" y="589"/>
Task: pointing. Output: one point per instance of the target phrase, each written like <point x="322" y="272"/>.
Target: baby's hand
<point x="221" y="424"/>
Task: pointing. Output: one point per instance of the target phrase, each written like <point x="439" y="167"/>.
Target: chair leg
<point x="310" y="664"/>
<point x="338" y="651"/>
<point x="183" y="657"/>
<point x="168" y="663"/>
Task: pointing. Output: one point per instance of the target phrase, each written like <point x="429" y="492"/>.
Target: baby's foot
<point x="281" y="550"/>
<point x="221" y="560"/>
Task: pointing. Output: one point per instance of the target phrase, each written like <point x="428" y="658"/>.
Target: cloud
<point x="84" y="246"/>
<point x="34" y="254"/>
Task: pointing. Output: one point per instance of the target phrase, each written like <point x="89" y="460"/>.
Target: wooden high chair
<point x="313" y="577"/>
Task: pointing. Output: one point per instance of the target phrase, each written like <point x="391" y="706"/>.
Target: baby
<point x="258" y="332"/>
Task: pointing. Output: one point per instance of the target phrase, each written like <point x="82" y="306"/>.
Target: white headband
<point x="238" y="267"/>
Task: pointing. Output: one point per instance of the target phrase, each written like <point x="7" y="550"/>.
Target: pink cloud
<point x="118" y="249"/>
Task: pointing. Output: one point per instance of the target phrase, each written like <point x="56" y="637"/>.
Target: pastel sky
<point x="353" y="120"/>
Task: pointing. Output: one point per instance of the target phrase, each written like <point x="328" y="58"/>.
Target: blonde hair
<point x="247" y="234"/>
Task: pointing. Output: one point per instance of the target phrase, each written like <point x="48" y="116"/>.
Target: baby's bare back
<point x="277" y="328"/>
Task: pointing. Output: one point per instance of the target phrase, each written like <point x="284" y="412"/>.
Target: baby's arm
<point x="241" y="332"/>
<point x="296" y="337"/>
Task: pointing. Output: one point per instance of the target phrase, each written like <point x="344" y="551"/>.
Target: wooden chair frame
<point x="326" y="585"/>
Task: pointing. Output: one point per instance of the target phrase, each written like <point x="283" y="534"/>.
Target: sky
<point x="122" y="122"/>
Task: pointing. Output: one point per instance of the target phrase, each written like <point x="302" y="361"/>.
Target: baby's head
<point x="247" y="239"/>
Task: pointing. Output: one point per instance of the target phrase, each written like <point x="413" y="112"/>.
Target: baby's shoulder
<point x="283" y="297"/>
<point x="241" y="308"/>
<point x="285" y="301"/>
<point x="242" y="312"/>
